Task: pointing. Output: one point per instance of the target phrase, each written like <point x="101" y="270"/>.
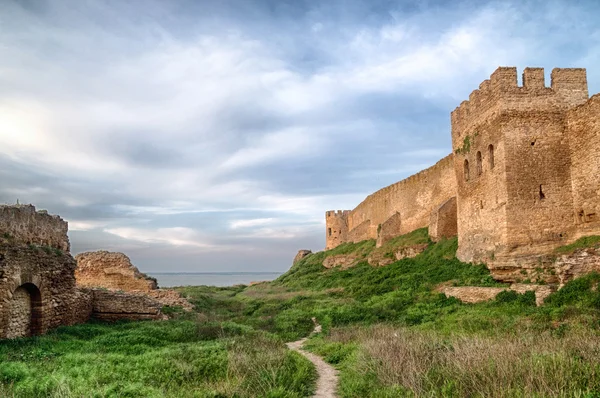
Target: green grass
<point x="232" y="344"/>
<point x="581" y="243"/>
<point x="175" y="358"/>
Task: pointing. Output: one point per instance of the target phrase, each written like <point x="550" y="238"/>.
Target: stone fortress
<point x="523" y="178"/>
<point x="42" y="287"/>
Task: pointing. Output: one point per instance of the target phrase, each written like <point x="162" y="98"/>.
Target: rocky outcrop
<point x="111" y="270"/>
<point x="579" y="263"/>
<point x="476" y="294"/>
<point x="344" y="261"/>
<point x="114" y="271"/>
<point x="301" y="254"/>
<point x="381" y="259"/>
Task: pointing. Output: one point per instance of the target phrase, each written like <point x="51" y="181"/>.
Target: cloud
<point x="176" y="236"/>
<point x="177" y="130"/>
<point x="237" y="224"/>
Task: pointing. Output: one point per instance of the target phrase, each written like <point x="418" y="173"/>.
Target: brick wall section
<point x="48" y="278"/>
<point x="390" y="228"/>
<point x="442" y="224"/>
<point x="114" y="271"/>
<point x="336" y="228"/>
<point x="413" y="199"/>
<point x="113" y="305"/>
<point x="22" y="224"/>
<point x="359" y="232"/>
<point x="111" y="270"/>
<point x="584" y="144"/>
<point x="19" y="310"/>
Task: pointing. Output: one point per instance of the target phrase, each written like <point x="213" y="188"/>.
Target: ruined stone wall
<point x="22" y="224"/>
<point x="443" y="221"/>
<point x="521" y="205"/>
<point x="110" y="305"/>
<point x="412" y="200"/>
<point x="44" y="281"/>
<point x="114" y="271"/>
<point x="583" y="128"/>
<point x="111" y="270"/>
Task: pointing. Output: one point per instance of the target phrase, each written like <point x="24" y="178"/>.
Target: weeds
<point x="581" y="243"/>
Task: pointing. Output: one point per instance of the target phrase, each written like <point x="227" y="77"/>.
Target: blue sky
<point x="213" y="135"/>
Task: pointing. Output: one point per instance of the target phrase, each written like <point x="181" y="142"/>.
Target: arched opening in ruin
<point x="479" y="164"/>
<point x="329" y="231"/>
<point x="491" y="156"/>
<point x="25" y="312"/>
<point x="466" y="170"/>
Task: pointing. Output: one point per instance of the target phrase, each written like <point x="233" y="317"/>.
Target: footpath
<point x="328" y="375"/>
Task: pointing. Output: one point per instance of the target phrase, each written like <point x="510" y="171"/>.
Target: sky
<point x="212" y="135"/>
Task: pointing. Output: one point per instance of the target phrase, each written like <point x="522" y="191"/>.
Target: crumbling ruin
<point x="37" y="280"/>
<point x="38" y="290"/>
<point x="114" y="271"/>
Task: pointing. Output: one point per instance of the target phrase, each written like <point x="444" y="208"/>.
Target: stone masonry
<point x="524" y="172"/>
<point x="111" y="270"/>
<point x="38" y="290"/>
<point x="37" y="281"/>
<point x="114" y="271"/>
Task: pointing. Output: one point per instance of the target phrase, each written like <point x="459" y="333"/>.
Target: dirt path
<point x="328" y="377"/>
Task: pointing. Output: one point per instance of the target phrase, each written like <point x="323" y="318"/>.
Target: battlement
<point x="502" y="93"/>
<point x="23" y="225"/>
<point x="338" y="213"/>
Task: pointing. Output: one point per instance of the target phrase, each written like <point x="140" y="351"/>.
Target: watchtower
<point x="512" y="163"/>
<point x="336" y="228"/>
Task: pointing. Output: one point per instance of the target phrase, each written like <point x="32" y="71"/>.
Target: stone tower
<point x="336" y="228"/>
<point x="512" y="163"/>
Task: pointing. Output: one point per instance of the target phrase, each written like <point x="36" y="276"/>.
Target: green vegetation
<point x="178" y="358"/>
<point x="581" y="243"/>
<point x="388" y="329"/>
<point x="466" y="147"/>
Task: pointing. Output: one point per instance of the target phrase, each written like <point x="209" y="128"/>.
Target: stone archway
<point x="24" y="312"/>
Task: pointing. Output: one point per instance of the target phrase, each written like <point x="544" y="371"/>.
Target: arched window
<point x="479" y="164"/>
<point x="329" y="231"/>
<point x="491" y="156"/>
<point x="466" y="170"/>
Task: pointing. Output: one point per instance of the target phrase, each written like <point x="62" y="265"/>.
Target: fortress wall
<point x="23" y="225"/>
<point x="539" y="207"/>
<point x="482" y="197"/>
<point x="413" y="198"/>
<point x="504" y="211"/>
<point x="583" y="127"/>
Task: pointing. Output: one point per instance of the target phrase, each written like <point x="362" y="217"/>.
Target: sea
<point x="212" y="278"/>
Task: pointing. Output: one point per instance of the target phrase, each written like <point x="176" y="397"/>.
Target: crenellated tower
<point x="512" y="163"/>
<point x="336" y="231"/>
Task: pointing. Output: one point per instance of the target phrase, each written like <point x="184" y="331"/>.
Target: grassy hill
<point x="387" y="329"/>
<point x="392" y="334"/>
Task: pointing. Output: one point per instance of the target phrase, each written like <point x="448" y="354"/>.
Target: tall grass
<point x="388" y="361"/>
<point x="153" y="359"/>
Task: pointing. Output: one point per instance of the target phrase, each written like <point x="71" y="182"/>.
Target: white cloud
<point x="176" y="236"/>
<point x="237" y="224"/>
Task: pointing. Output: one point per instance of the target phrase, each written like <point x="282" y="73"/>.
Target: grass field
<point x="387" y="329"/>
<point x="179" y="358"/>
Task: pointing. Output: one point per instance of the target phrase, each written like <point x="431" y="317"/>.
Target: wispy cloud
<point x="179" y="130"/>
